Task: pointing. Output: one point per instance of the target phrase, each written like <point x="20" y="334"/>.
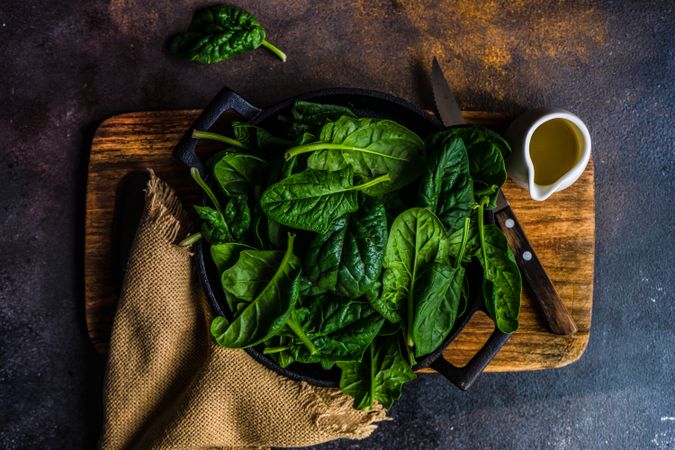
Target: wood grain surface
<point x="561" y="230"/>
<point x="535" y="278"/>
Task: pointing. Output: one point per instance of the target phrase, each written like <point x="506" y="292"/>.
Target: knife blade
<point x="446" y="103"/>
<point x="555" y="313"/>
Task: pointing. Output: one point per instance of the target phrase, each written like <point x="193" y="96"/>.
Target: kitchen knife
<point x="557" y="317"/>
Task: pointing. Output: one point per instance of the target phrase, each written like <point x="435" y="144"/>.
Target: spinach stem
<point x="191" y="239"/>
<point x="207" y="135"/>
<point x="411" y="358"/>
<point x="486" y="192"/>
<point x="465" y="238"/>
<point x="194" y="172"/>
<point x="270" y="350"/>
<point x="371" y="183"/>
<point x="274" y="49"/>
<point x="314" y="146"/>
<point x="297" y="329"/>
<point x="409" y="341"/>
<point x="481" y="231"/>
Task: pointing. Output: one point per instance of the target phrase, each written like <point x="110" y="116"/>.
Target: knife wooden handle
<point x="557" y="317"/>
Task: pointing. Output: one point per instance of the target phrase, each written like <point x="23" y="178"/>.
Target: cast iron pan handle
<point x="226" y="100"/>
<point x="463" y="377"/>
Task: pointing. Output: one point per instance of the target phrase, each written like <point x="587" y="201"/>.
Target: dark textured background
<point x="67" y="67"/>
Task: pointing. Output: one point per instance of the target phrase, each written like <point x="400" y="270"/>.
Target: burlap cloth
<point x="168" y="385"/>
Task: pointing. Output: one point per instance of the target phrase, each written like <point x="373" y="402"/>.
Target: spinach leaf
<point x="296" y="165"/>
<point x="312" y="200"/>
<point x="309" y="117"/>
<point x="214" y="228"/>
<point x="436" y="306"/>
<point x="224" y="255"/>
<point x="275" y="233"/>
<point x="347" y="260"/>
<point x="257" y="137"/>
<point x="379" y="377"/>
<point x="441" y="291"/>
<point x="251" y="273"/>
<point x="486" y="150"/>
<point x="237" y="215"/>
<point x="304" y="138"/>
<point x="371" y="147"/>
<point x="471" y="242"/>
<point x="269" y="232"/>
<point x="232" y="224"/>
<point x="415" y="241"/>
<point x="502" y="285"/>
<point x="237" y="173"/>
<point x="219" y="32"/>
<point x="446" y="187"/>
<point x="277" y="347"/>
<point x="331" y="329"/>
<point x="266" y="305"/>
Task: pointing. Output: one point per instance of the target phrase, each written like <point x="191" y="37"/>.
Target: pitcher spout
<point x="540" y="193"/>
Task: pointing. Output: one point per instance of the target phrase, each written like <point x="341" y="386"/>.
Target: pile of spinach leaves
<point x="320" y="266"/>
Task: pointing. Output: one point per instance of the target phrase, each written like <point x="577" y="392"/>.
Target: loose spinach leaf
<point x="414" y="242"/>
<point x="237" y="173"/>
<point x="371" y="147"/>
<point x="379" y="377"/>
<point x="258" y="138"/>
<point x="502" y="285"/>
<point x="312" y="200"/>
<point x="332" y="329"/>
<point x="270" y="301"/>
<point x="446" y="187"/>
<point x="220" y="32"/>
<point x="347" y="260"/>
<point x="436" y="306"/>
<point x="309" y="117"/>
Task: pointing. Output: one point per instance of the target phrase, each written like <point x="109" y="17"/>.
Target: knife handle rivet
<point x="509" y="223"/>
<point x="527" y="255"/>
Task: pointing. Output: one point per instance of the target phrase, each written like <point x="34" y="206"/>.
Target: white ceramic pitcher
<point x="522" y="168"/>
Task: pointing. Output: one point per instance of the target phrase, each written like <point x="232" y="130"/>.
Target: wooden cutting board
<point x="561" y="230"/>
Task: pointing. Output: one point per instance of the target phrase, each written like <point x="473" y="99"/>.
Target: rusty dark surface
<point x="68" y="65"/>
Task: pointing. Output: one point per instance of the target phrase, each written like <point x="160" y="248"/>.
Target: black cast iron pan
<point x="364" y="103"/>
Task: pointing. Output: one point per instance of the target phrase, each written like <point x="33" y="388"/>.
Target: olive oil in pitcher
<point x="551" y="148"/>
<point x="554" y="150"/>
